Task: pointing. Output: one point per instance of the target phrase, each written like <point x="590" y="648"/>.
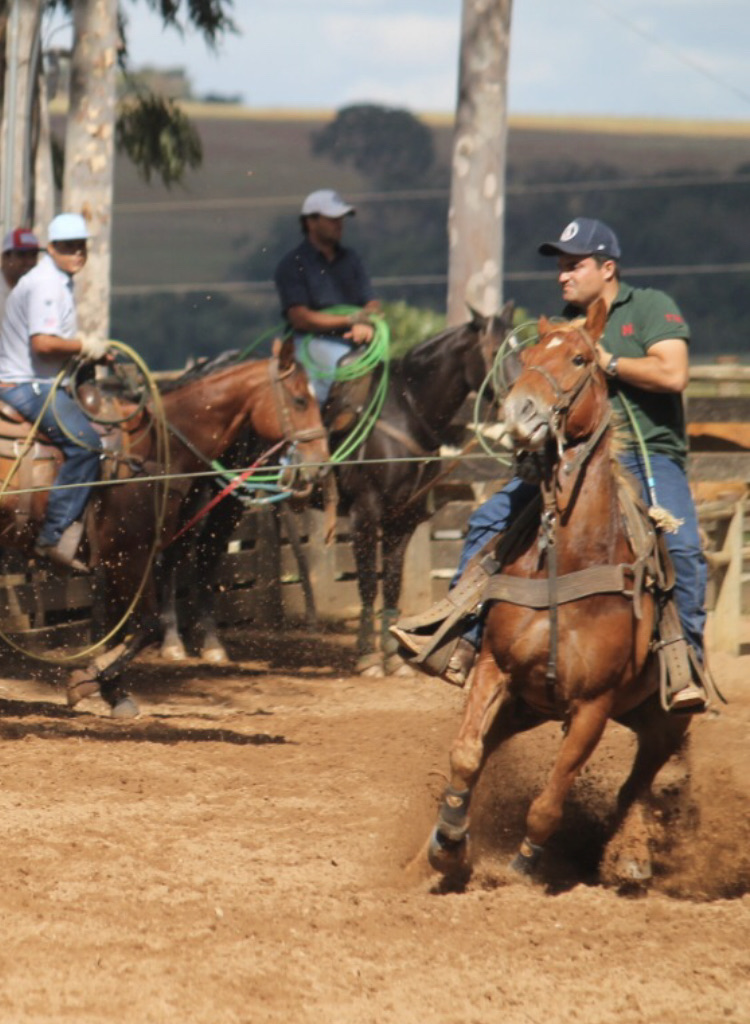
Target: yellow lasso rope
<point x="160" y="502"/>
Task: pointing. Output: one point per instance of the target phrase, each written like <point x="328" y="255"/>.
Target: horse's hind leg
<point x="394" y="546"/>
<point x="364" y="538"/>
<point x="627" y="859"/>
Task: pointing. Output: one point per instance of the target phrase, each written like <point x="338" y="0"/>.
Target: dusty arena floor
<point x="236" y="855"/>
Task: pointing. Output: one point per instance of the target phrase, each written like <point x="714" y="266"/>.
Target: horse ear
<point x="544" y="325"/>
<point x="284" y="351"/>
<point x="505" y="315"/>
<point x="596" y="319"/>
<point x="276" y="347"/>
<point x="478" y="321"/>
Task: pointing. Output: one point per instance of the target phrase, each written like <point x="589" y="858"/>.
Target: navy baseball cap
<point x="584" y="237"/>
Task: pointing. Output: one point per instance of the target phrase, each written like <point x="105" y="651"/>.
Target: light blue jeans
<point x="672" y="493"/>
<point x="324" y="353"/>
<point x="82" y="457"/>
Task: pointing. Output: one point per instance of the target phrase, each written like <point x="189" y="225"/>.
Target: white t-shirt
<point x="4" y="293"/>
<point x="41" y="303"/>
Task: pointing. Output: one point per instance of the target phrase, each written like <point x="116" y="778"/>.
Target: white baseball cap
<point x="326" y="202"/>
<point x="67" y="227"/>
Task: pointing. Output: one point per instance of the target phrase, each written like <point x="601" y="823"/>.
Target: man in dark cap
<point x="644" y="354"/>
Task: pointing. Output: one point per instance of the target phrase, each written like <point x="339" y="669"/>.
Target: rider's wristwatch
<point x="611" y="368"/>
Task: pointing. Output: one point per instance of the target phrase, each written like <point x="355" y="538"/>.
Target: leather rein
<point x="586" y="582"/>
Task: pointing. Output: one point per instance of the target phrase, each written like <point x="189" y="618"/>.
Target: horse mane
<point x="203" y="367"/>
<point x="419" y="358"/>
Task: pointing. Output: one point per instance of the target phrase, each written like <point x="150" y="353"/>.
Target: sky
<point x="654" y="58"/>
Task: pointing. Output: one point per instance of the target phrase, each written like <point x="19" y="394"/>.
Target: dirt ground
<point x="237" y="855"/>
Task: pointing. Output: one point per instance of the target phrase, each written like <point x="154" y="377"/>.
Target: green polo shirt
<point x="637" y="319"/>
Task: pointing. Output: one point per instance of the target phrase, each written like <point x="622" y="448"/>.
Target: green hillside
<point x="192" y="266"/>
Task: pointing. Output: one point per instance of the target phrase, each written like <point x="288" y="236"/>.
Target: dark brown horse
<point x="383" y="488"/>
<point x="603" y="667"/>
<point x="203" y="418"/>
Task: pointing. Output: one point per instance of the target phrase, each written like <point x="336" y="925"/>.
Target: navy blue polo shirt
<point x="304" y="277"/>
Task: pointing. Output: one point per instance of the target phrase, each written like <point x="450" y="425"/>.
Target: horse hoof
<point x="396" y="666"/>
<point x="78" y="689"/>
<point x="214" y="655"/>
<point x="173" y="652"/>
<point x="371" y="666"/>
<point x="449" y="857"/>
<point x="125" y="707"/>
<point x="526" y="860"/>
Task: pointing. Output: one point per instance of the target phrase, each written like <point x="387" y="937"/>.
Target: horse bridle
<point x="564" y="400"/>
<point x="294" y="436"/>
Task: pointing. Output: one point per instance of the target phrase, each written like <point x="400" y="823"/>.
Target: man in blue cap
<point x="321" y="273"/>
<point x="39" y="336"/>
<point x="644" y="354"/>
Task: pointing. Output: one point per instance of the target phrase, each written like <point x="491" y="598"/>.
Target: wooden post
<point x="416" y="588"/>
<point x="726" y="563"/>
<point x="477" y="205"/>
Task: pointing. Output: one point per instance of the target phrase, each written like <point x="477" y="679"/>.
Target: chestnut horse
<point x="597" y="664"/>
<point x="202" y="420"/>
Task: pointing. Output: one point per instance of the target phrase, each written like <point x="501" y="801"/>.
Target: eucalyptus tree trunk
<point x="22" y="21"/>
<point x="88" y="183"/>
<point x="477" y="206"/>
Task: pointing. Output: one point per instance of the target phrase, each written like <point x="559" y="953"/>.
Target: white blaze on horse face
<point x="554" y="342"/>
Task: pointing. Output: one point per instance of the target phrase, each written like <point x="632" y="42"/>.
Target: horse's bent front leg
<point x="448" y="846"/>
<point x="585" y="728"/>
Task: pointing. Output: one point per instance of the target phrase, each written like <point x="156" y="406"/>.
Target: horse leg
<point x="172" y="646"/>
<point x="488" y="707"/>
<point x="364" y="542"/>
<point x="394" y="546"/>
<point x="292" y="532"/>
<point x="585" y="728"/>
<point x="211" y="545"/>
<point x="660" y="735"/>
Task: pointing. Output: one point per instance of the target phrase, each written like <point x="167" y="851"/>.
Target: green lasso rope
<point x="373" y="355"/>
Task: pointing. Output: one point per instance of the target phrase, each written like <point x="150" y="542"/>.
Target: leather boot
<point x="64" y="551"/>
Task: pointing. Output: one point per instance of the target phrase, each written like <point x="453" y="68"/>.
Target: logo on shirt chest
<point x="627" y="330"/>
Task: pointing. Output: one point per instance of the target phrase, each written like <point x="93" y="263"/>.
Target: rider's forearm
<point x="664" y="368"/>
<point x="54" y="345"/>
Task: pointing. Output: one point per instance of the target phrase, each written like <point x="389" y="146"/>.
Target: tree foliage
<point x="391" y="147"/>
<point x="158" y="137"/>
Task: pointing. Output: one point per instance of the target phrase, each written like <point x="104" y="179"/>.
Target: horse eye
<point x="579" y="360"/>
<point x="300" y="402"/>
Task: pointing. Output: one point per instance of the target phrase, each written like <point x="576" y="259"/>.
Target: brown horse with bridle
<point x="131" y="516"/>
<point x="571" y="615"/>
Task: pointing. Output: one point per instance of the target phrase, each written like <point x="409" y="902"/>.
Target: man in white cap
<point x="319" y="274"/>
<point x="39" y="336"/>
<point x="20" y="251"/>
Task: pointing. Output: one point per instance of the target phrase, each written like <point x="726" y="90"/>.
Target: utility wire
<point x="678" y="55"/>
<point x="267" y="288"/>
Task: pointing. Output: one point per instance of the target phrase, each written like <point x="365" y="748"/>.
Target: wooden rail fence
<point x="260" y="584"/>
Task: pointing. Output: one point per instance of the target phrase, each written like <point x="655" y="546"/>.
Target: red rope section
<point x="231" y="486"/>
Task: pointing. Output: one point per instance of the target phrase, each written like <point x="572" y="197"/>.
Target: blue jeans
<point x="81" y="464"/>
<point x="672" y="493"/>
<point x="324" y="353"/>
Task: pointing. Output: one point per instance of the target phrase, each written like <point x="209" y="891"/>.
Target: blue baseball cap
<point x="67" y="227"/>
<point x="584" y="237"/>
